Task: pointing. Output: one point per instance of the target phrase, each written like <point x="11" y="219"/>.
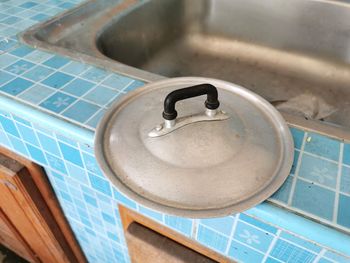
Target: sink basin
<point x="296" y="53"/>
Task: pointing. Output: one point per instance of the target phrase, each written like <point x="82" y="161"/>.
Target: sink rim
<point x="98" y="59"/>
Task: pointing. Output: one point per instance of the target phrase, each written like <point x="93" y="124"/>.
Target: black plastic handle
<point x="211" y="103"/>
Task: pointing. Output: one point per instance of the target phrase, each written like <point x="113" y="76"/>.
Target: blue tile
<point x="323" y="146"/>
<point x="36" y="154"/>
<point x="318" y="170"/>
<point x="134" y="85"/>
<point x="22" y="121"/>
<point x="38" y="73"/>
<point x="56" y="62"/>
<point x="38" y="56"/>
<point x="282" y="194"/>
<point x="67" y="5"/>
<point x="346" y="155"/>
<point x="16" y="86"/>
<point x="78" y="87"/>
<point x="345" y="180"/>
<point x="57" y="80"/>
<point x="101" y="95"/>
<point x="58" y="102"/>
<point x="301" y="242"/>
<point x="113" y="236"/>
<point x="95" y="74"/>
<point x="220" y="224"/>
<point x="90" y="200"/>
<point x="57" y="175"/>
<point x="259" y="224"/>
<point x="22" y="51"/>
<point x="66" y="196"/>
<point x="123" y="199"/>
<point x="344" y="211"/>
<point x="66" y="140"/>
<point x="6" y="60"/>
<point x="28" y="134"/>
<point x="28" y="4"/>
<point x="253" y="237"/>
<point x="116" y="81"/>
<point x="212" y="239"/>
<point x="95" y="120"/>
<point x="287" y="252"/>
<point x="323" y="260"/>
<point x="81" y="111"/>
<point x="272" y="260"/>
<point x="9" y="126"/>
<point x="75" y="68"/>
<point x="321" y="203"/>
<point x="183" y="225"/>
<point x="36" y="94"/>
<point x="100" y="184"/>
<point x="40" y="17"/>
<point x="295" y="161"/>
<point x="48" y="144"/>
<point x="108" y="218"/>
<point x="3" y="140"/>
<point x="18" y="145"/>
<point x="336" y="257"/>
<point x="19" y="67"/>
<point x="5" y="77"/>
<point x="243" y="253"/>
<point x="71" y="154"/>
<point x="56" y="163"/>
<point x="151" y="213"/>
<point x="10" y="20"/>
<point x="91" y="164"/>
<point x="7" y="44"/>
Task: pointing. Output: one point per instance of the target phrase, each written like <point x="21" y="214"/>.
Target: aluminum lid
<point x="204" y="163"/>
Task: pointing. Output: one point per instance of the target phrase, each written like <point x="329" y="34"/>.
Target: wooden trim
<point x="68" y="240"/>
<point x="129" y="216"/>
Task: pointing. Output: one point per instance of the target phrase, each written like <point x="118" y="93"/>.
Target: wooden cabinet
<point x="31" y="221"/>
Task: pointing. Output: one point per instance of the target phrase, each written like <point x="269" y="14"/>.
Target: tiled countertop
<point x="71" y="97"/>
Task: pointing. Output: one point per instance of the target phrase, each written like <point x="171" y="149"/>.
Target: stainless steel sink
<point x="295" y="53"/>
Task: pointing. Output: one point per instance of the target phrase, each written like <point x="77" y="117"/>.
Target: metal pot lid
<point x="196" y="159"/>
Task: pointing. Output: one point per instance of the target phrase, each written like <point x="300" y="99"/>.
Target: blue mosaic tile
<point x="123" y="199"/>
<point x="283" y="193"/>
<point x="91" y="164"/>
<point x="346" y="154"/>
<point x="22" y="51"/>
<point x="75" y="68"/>
<point x="323" y="260"/>
<point x="151" y="213"/>
<point x="71" y="154"/>
<point x="287" y="252"/>
<point x="57" y="80"/>
<point x="295" y="162"/>
<point x="49" y="144"/>
<point x="56" y="62"/>
<point x="323" y="146"/>
<point x="28" y="4"/>
<point x="345" y="180"/>
<point x="27" y="134"/>
<point x="100" y="184"/>
<point x="108" y="218"/>
<point x="5" y="77"/>
<point x="221" y="224"/>
<point x="10" y="20"/>
<point x="301" y="242"/>
<point x="16" y="86"/>
<point x="67" y="140"/>
<point x="7" y="44"/>
<point x="38" y="73"/>
<point x="134" y="85"/>
<point x="18" y="145"/>
<point x="56" y="163"/>
<point x="117" y="81"/>
<point x="95" y="74"/>
<point x="95" y="120"/>
<point x="253" y="237"/>
<point x="257" y="223"/>
<point x="272" y="260"/>
<point x="90" y="200"/>
<point x="9" y="126"/>
<point x="318" y="170"/>
<point x="36" y="94"/>
<point x="182" y="225"/>
<point x="40" y="17"/>
<point x="58" y="102"/>
<point x="336" y="257"/>
<point x="212" y="239"/>
<point x="101" y="95"/>
<point x="21" y="120"/>
<point x="81" y="111"/>
<point x="321" y="203"/>
<point x="344" y="211"/>
<point x="78" y="87"/>
<point x="19" y="67"/>
<point x="38" y="56"/>
<point x="3" y="140"/>
<point x="244" y="254"/>
<point x="6" y="60"/>
<point x="36" y="154"/>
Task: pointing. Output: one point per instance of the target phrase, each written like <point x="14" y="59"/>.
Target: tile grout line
<point x="273" y="242"/>
<point x="337" y="189"/>
<point x="319" y="256"/>
<point x="194" y="232"/>
<point x="292" y="189"/>
<point x="233" y="230"/>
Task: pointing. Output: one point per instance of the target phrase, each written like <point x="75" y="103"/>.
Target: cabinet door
<point x="27" y="215"/>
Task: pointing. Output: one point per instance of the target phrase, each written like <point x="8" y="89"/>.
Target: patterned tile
<point x="38" y="73"/>
<point x="287" y="252"/>
<point x="222" y="224"/>
<point x="182" y="225"/>
<point x="58" y="102"/>
<point x="244" y="254"/>
<point x="16" y="86"/>
<point x="212" y="239"/>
